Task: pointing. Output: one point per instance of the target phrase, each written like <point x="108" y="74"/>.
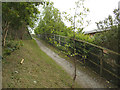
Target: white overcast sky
<point x="99" y="9"/>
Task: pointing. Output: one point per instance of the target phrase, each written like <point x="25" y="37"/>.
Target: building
<point x="93" y="32"/>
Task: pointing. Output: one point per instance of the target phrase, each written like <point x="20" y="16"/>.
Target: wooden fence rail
<point x="101" y="60"/>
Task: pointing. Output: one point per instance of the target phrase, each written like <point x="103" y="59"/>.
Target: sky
<point x="99" y="9"/>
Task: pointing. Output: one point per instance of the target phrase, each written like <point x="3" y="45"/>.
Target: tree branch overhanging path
<point x="83" y="78"/>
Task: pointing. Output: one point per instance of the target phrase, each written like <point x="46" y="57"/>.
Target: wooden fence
<point x="103" y="61"/>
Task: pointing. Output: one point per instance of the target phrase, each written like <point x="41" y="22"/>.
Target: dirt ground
<point x="85" y="77"/>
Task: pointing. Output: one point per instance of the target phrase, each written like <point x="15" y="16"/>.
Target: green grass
<point x="37" y="71"/>
<point x="56" y="50"/>
<point x="81" y="66"/>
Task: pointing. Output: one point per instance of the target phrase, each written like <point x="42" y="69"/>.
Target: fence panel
<point x="103" y="61"/>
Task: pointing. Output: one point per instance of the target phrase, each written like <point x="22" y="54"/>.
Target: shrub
<point x="11" y="46"/>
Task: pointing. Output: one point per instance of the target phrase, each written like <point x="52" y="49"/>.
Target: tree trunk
<point x="4" y="39"/>
<point x="75" y="73"/>
<point x="22" y="34"/>
<point x="6" y="31"/>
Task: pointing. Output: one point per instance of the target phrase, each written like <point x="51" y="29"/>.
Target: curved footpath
<point x="85" y="80"/>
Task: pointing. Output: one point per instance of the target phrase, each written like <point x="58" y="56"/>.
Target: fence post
<point x="64" y="44"/>
<point x="101" y="62"/>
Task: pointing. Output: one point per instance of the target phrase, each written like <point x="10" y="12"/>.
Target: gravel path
<point x="85" y="80"/>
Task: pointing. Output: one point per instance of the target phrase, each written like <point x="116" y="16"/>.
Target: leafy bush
<point x="11" y="46"/>
<point x="108" y="39"/>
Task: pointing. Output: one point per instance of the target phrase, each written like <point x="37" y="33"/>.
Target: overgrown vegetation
<point x="24" y="14"/>
<point x="109" y="38"/>
<point x="15" y="24"/>
<point x="37" y="71"/>
<point x="51" y="25"/>
<point x="11" y="46"/>
<point x="51" y="22"/>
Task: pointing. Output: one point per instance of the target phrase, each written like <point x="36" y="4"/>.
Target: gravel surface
<point x="86" y="79"/>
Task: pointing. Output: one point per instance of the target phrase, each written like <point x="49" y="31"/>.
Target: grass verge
<point x="37" y="71"/>
<point x="80" y="65"/>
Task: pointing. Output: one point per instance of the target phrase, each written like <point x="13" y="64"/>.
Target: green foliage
<point x="11" y="46"/>
<point x="51" y="21"/>
<point x="109" y="38"/>
<point x="66" y="45"/>
<point x="19" y="12"/>
<point x="17" y="17"/>
<point x="40" y="65"/>
<point x="78" y="20"/>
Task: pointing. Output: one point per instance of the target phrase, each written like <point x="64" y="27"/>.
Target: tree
<point x="19" y="13"/>
<point x="50" y="21"/>
<point x="78" y="21"/>
<point x="110" y="37"/>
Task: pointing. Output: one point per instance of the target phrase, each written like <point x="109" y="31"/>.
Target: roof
<point x="95" y="31"/>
